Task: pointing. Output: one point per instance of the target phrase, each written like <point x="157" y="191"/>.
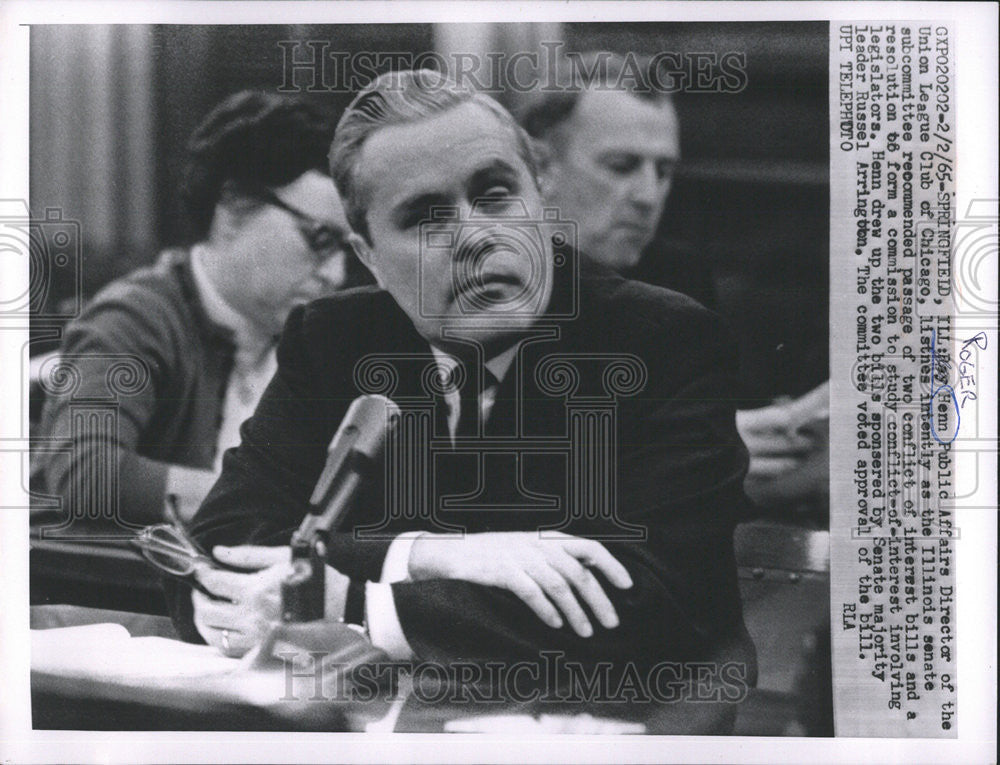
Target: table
<point x="255" y="702"/>
<point x="111" y="575"/>
<point x="784" y="573"/>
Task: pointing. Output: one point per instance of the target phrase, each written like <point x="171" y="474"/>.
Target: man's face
<point x="611" y="168"/>
<point x="273" y="266"/>
<point x="461" y="273"/>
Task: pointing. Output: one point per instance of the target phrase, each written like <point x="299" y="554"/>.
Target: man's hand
<point x="789" y="448"/>
<point x="548" y="574"/>
<point x="236" y="626"/>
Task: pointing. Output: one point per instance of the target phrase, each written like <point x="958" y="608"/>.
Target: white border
<point x="976" y="45"/>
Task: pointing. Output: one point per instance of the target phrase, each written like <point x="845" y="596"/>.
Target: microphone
<point x="337" y="649"/>
<point x="356" y="448"/>
<point x="352" y="456"/>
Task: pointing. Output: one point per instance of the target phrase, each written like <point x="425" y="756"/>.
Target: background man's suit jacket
<point x="679" y="472"/>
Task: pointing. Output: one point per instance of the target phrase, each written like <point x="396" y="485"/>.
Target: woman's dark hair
<point x="251" y="139"/>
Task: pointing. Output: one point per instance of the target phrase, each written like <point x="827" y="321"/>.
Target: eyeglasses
<point x="169" y="548"/>
<point x="321" y="237"/>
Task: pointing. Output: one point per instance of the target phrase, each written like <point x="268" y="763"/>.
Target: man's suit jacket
<point x="676" y="479"/>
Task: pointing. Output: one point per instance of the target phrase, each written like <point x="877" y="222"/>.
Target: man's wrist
<point x="384" y="629"/>
<point x="420" y="564"/>
<point x="395" y="567"/>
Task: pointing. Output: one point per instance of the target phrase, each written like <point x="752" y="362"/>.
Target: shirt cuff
<point x="384" y="628"/>
<point x="396" y="566"/>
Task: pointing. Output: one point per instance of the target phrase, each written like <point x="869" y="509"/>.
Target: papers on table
<point x="107" y="651"/>
<point x="543" y="724"/>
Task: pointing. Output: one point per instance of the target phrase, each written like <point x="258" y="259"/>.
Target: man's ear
<point x="545" y="163"/>
<point x="548" y="167"/>
<point x="546" y="183"/>
<point x="364" y="252"/>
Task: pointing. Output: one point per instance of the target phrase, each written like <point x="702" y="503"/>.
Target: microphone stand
<point x="303" y="629"/>
<point x="303" y="593"/>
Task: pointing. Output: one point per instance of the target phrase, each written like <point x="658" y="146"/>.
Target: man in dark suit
<point x="578" y="472"/>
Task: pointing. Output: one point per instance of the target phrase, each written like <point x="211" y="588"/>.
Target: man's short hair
<point x="546" y="109"/>
<point x="251" y="139"/>
<point x="398" y="98"/>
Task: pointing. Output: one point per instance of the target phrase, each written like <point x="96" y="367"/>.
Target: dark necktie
<point x="469" y="409"/>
